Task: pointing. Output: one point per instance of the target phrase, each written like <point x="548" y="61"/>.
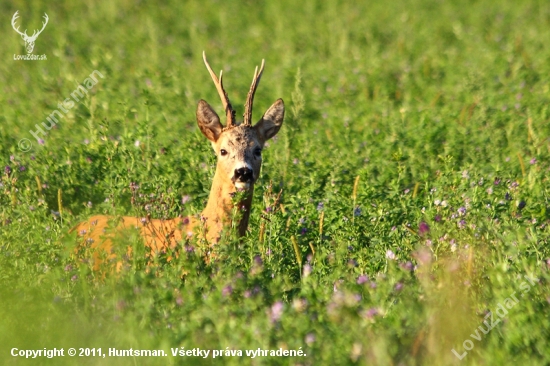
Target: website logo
<point x="29" y="40"/>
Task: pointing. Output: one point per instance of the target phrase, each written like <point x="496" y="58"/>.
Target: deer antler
<point x="250" y="97"/>
<point x="34" y="34"/>
<point x="13" y="20"/>
<point x="229" y="112"/>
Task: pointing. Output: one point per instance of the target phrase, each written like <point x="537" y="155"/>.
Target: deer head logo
<point x="29" y="40"/>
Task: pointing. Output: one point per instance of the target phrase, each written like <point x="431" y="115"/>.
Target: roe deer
<point x="238" y="148"/>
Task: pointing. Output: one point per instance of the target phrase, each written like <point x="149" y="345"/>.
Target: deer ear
<point x="208" y="121"/>
<point x="272" y="120"/>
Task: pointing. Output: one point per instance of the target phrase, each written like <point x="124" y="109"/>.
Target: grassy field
<point x="413" y="163"/>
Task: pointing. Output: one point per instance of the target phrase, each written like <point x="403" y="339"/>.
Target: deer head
<point x="238" y="146"/>
<point x="29" y="41"/>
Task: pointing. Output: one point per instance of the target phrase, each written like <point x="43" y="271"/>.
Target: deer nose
<point x="243" y="174"/>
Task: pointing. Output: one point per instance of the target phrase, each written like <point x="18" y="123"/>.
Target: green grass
<point x="436" y="111"/>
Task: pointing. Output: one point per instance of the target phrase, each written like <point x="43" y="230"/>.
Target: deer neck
<point x="219" y="210"/>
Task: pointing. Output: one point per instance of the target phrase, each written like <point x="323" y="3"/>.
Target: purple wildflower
<point x="362" y="279"/>
<point x="533" y="161"/>
<point x="437" y="218"/>
<point x="357" y="211"/>
<point x="371" y="313"/>
<point x="462" y="211"/>
<point x="310" y="338"/>
<point x="227" y="290"/>
<point x="423" y="228"/>
<point x="461" y="224"/>
<point x="7" y="170"/>
<point x="423" y="256"/>
<point x="320" y="206"/>
<point x="276" y="311"/>
<point x="390" y="255"/>
<point x="185" y="199"/>
<point x="407" y="266"/>
<point x="398" y="286"/>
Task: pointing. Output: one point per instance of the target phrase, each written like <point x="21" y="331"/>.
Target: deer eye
<point x="258" y="152"/>
<point x="223" y="152"/>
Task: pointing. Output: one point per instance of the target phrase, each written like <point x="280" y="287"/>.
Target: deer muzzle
<point x="243" y="178"/>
